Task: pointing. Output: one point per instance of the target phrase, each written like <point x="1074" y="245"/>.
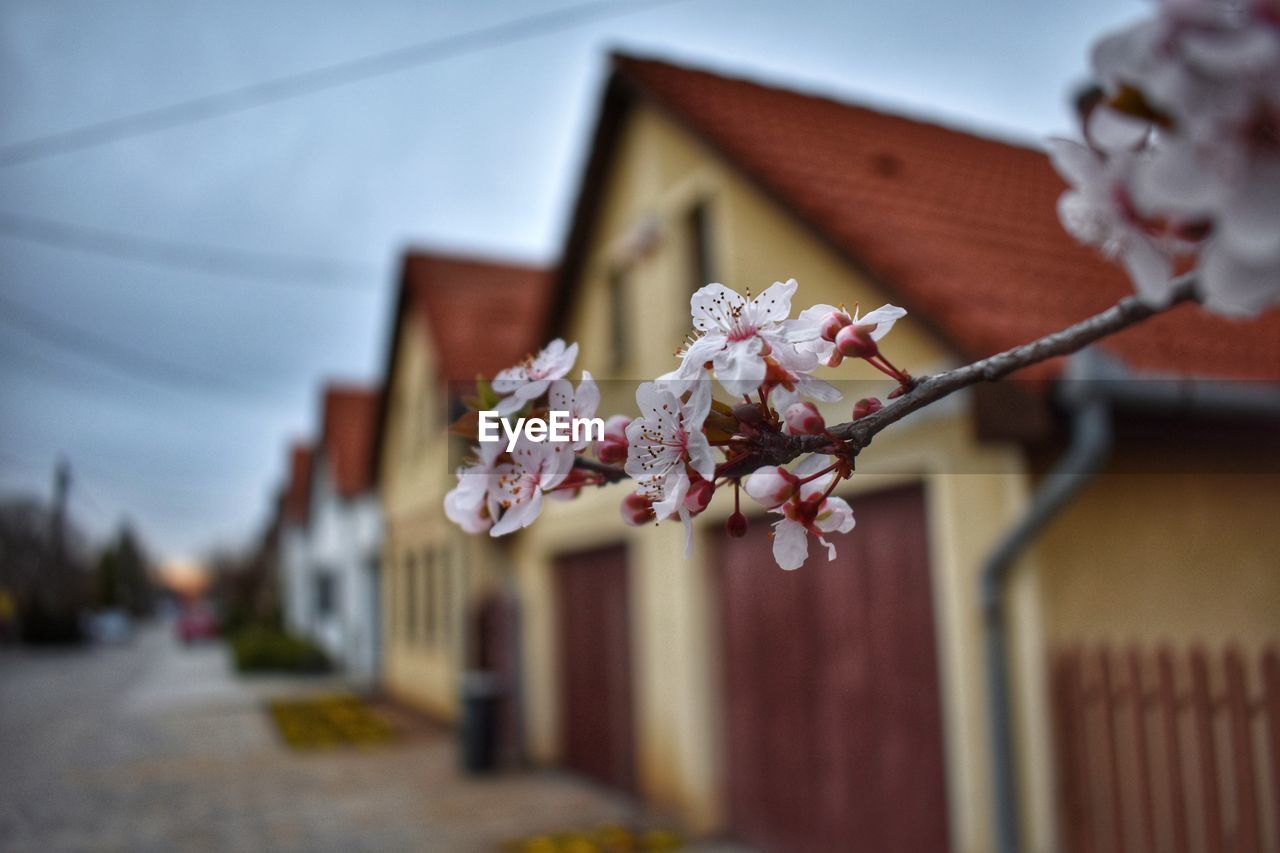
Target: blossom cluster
<point x="1180" y="166"/>
<point x="679" y="447"/>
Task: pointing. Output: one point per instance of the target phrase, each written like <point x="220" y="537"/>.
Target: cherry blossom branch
<point x="856" y="435"/>
<point x="609" y="473"/>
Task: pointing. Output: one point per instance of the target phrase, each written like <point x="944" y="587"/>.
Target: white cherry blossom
<point x="536" y="467"/>
<point x="771" y="486"/>
<point x="806" y="511"/>
<point x="1097" y="210"/>
<point x="581" y="403"/>
<point x="530" y="379"/>
<point x="665" y="441"/>
<point x="473" y="504"/>
<point x="1186" y="142"/>
<point x="735" y="335"/>
<point x="814" y="330"/>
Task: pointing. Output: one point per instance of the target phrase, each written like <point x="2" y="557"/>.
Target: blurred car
<point x="196" y="622"/>
<point x="111" y="626"/>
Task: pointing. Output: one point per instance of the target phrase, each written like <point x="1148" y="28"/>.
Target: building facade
<point x="848" y="699"/>
<point x="447" y="600"/>
<point x="330" y="550"/>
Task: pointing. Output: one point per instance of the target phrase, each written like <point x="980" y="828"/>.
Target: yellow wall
<point x="422" y="666"/>
<point x="1201" y="560"/>
<point x="660" y="172"/>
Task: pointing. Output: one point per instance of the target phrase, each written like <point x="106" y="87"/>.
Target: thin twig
<point x="610" y="473"/>
<point x="929" y="389"/>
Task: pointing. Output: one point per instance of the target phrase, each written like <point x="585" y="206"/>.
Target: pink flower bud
<point x="637" y="510"/>
<point x="612" y="449"/>
<point x="833" y="323"/>
<point x="855" y="342"/>
<point x="736" y="525"/>
<point x="835" y="359"/>
<point x="699" y="495"/>
<point x="804" y="419"/>
<point x="866" y="406"/>
<point x="771" y="486"/>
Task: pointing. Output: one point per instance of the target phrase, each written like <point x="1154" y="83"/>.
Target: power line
<point x="105" y="352"/>
<point x="315" y="80"/>
<point x="215" y="260"/>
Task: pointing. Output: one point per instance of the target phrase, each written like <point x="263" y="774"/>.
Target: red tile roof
<point x="482" y="315"/>
<point x="350" y="414"/>
<point x="960" y="229"/>
<point x="297" y="493"/>
<point x="479" y="316"/>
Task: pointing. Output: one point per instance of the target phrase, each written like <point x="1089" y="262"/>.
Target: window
<point x="619" y="323"/>
<point x="326" y="594"/>
<point x="446" y="594"/>
<point x="410" y="597"/>
<point x="698" y="241"/>
<point x="429" y="595"/>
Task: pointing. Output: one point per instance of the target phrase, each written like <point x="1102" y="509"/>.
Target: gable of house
<point x="455" y="318"/>
<point x="346" y="442"/>
<point x="960" y="229"/>
<point x="296" y="499"/>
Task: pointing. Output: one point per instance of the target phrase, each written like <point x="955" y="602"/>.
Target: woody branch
<point x="775" y="448"/>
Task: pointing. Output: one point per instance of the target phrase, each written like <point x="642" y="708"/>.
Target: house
<point x="331" y="534"/>
<point x="447" y="597"/>
<point x="844" y="705"/>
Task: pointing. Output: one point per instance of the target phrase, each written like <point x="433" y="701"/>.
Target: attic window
<point x="886" y="165"/>
<point x="698" y="240"/>
<point x="618" y="321"/>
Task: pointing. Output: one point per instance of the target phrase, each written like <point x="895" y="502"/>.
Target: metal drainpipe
<point x="1090" y="445"/>
<point x="1100" y="386"/>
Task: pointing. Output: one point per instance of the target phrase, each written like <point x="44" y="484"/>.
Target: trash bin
<point x="478" y="732"/>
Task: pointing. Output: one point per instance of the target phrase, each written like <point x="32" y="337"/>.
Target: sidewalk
<point x="159" y="747"/>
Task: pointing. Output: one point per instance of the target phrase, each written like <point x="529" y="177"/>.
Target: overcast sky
<point x="479" y="152"/>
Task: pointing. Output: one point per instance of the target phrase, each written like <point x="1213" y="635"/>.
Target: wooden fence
<point x="1167" y="751"/>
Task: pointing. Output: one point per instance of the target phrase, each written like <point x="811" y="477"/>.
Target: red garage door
<point x="834" y="735"/>
<point x="595" y="665"/>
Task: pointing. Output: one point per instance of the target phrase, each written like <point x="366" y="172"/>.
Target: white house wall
<point x="343" y="540"/>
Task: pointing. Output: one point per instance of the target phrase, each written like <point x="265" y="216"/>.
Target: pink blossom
<point x="735" y="335"/>
<point x="665" y="443"/>
<point x="612" y="449"/>
<point x="536" y="467"/>
<point x="637" y="509"/>
<point x="579" y="404"/>
<point x="816" y="329"/>
<point x="804" y="419"/>
<point x="530" y="379"/>
<point x="473" y="503"/>
<point x="1186" y="153"/>
<point x="771" y="486"/>
<point x="809" y="511"/>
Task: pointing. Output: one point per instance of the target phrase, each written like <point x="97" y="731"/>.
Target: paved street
<point x="152" y="746"/>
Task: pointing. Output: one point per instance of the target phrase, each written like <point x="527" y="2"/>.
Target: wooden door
<point x="833" y="726"/>
<point x="595" y="665"/>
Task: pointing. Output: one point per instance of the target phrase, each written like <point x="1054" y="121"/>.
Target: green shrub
<point x="259" y="649"/>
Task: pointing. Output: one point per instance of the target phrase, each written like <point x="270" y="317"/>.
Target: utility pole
<point x="61" y="488"/>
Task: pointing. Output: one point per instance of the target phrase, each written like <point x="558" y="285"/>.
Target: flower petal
<point x="790" y="544"/>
